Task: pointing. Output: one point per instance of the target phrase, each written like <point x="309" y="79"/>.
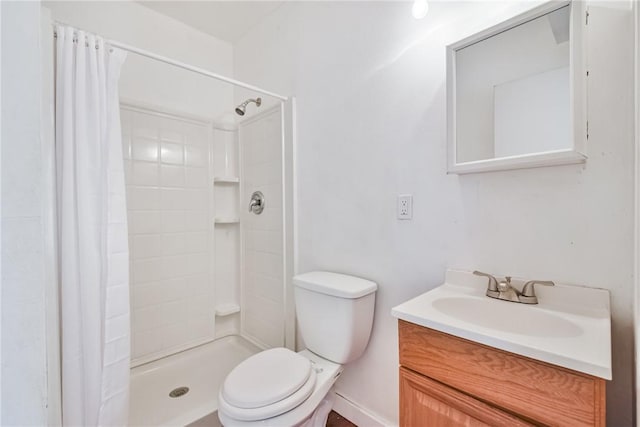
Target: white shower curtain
<point x="92" y="232"/>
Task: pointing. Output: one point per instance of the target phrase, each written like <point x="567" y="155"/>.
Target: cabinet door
<point x="428" y="403"/>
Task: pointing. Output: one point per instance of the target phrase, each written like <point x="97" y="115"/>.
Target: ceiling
<point x="226" y="20"/>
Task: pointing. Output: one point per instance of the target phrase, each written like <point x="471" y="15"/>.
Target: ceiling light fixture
<point x="420" y="9"/>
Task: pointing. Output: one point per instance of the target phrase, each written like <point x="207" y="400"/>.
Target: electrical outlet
<point x="405" y="206"/>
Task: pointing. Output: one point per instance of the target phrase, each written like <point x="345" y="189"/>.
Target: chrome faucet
<point x="503" y="290"/>
<point x="507" y="291"/>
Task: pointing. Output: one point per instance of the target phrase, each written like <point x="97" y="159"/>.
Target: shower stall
<point x="210" y="265"/>
<point x="208" y="276"/>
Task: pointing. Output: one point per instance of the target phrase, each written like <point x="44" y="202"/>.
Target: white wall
<point x="636" y="298"/>
<point x="24" y="267"/>
<point x="0" y="227"/>
<point x="263" y="297"/>
<point x="148" y="81"/>
<point x="533" y="114"/>
<point x="370" y="88"/>
<point x="169" y="194"/>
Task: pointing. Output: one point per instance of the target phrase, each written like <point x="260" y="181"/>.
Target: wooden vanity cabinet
<point x="425" y="402"/>
<point x="446" y="381"/>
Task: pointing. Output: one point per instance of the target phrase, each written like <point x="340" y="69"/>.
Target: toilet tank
<point x="335" y="313"/>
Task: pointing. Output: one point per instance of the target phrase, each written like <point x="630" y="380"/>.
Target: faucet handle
<point x="528" y="295"/>
<point x="492" y="286"/>
<point x="529" y="291"/>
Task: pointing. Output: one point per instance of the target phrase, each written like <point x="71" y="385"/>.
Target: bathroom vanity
<point x="504" y="363"/>
<point x="448" y="381"/>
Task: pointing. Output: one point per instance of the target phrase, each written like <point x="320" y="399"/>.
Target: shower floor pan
<point x="201" y="369"/>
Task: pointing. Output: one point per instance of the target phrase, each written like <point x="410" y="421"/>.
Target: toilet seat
<point x="326" y="374"/>
<point x="266" y="385"/>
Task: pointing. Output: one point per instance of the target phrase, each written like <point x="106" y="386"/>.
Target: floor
<point x="334" y="420"/>
<point x="337" y="420"/>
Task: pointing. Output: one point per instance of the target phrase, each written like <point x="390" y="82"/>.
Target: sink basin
<point x="570" y="327"/>
<point x="507" y="317"/>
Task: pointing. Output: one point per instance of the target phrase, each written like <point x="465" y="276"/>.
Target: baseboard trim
<point x="357" y="414"/>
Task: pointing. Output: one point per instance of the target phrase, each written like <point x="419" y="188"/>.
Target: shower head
<point x="240" y="109"/>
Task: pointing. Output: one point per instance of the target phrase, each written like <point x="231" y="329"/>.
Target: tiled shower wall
<point x="170" y="232"/>
<point x="263" y="304"/>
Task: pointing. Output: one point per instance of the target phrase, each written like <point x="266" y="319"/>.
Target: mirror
<point x="514" y="93"/>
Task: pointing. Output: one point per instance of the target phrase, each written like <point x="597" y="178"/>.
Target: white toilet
<point x="279" y="387"/>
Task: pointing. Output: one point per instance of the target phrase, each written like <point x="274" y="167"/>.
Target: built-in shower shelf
<point x="226" y="179"/>
<point x="227" y="220"/>
<point x="227" y="309"/>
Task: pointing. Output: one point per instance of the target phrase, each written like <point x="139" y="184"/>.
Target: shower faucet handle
<point x="256" y="205"/>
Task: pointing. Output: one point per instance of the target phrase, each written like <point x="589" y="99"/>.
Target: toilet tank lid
<point x="335" y="284"/>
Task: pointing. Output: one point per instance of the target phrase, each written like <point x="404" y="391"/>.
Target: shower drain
<point x="178" y="392"/>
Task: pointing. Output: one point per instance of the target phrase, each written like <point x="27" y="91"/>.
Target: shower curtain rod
<point x="188" y="67"/>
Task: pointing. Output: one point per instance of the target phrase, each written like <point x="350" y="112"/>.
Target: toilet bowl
<point x="295" y="407"/>
<point x="278" y="387"/>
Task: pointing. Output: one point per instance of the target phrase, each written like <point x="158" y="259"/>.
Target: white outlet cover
<point x="405" y="206"/>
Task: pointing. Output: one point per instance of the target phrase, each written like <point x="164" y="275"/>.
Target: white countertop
<point x="570" y="327"/>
